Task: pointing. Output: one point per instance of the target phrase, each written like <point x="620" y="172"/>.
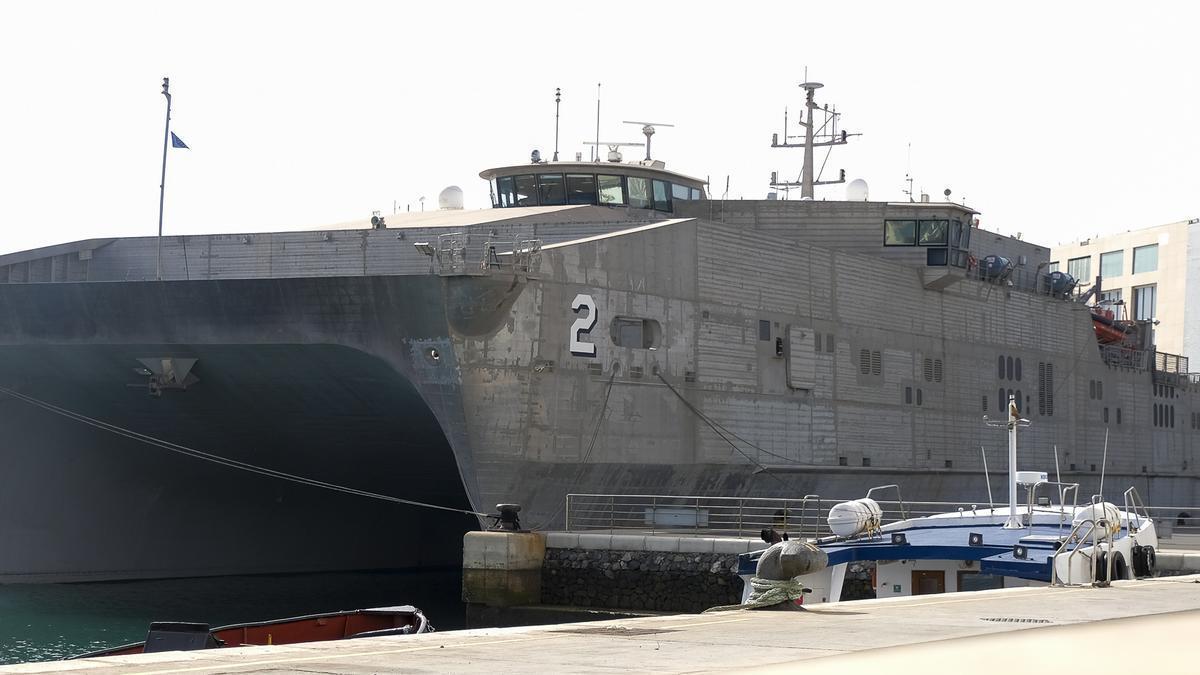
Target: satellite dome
<point x="451" y="198"/>
<point x="857" y="191"/>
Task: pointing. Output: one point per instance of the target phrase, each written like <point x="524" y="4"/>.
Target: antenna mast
<point x="557" y="100"/>
<point x="596" y="149"/>
<point x="826" y="134"/>
<point x="648" y="131"/>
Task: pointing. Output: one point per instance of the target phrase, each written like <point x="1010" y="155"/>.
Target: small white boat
<point x="1035" y="543"/>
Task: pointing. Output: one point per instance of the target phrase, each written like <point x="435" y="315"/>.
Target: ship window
<point x="696" y="196"/>
<point x="639" y="192"/>
<point x="817" y="342"/>
<point x="1099" y="390"/>
<point x="764" y="329"/>
<point x="936" y="257"/>
<point x="919" y="401"/>
<point x="1145" y="259"/>
<point x="550" y="188"/>
<point x="1018" y="362"/>
<point x="1017" y="400"/>
<point x="932" y="232"/>
<point x="612" y="191"/>
<point x="899" y="232"/>
<point x="908" y="395"/>
<point x="504" y="186"/>
<point x="1008" y="368"/>
<point x="581" y="189"/>
<point x="1118" y="415"/>
<point x="1092" y="389"/>
<point x="955" y="232"/>
<point x="829" y="345"/>
<point x="662" y="198"/>
<point x="526" y="189"/>
<point x="636" y="333"/>
<point x="1106" y="415"/>
<point x="679" y="192"/>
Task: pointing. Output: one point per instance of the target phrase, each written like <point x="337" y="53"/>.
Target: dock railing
<point x="802" y="517"/>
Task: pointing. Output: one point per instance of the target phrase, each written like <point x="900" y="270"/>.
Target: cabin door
<point x="927" y="582"/>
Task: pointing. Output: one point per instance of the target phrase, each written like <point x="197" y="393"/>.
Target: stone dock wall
<point x="640" y="580"/>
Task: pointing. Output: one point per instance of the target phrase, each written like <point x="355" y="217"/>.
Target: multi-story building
<point x="1152" y="274"/>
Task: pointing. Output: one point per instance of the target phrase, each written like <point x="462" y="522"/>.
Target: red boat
<point x="183" y="636"/>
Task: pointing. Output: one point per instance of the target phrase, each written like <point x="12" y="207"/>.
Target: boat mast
<point x="826" y="134"/>
<point x="162" y="186"/>
<point x="1014" y="420"/>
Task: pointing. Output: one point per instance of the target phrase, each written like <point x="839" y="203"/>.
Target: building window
<point x="1143" y="302"/>
<point x="1112" y="264"/>
<point x="1145" y="259"/>
<point x="1080" y="268"/>
<point x="1052" y="267"/>
<point x="899" y="232"/>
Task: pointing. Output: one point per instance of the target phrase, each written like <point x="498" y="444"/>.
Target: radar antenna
<point x="825" y="134"/>
<point x="614" y="149"/>
<point x="648" y="130"/>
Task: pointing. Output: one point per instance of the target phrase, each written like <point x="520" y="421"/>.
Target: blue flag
<point x="177" y="142"/>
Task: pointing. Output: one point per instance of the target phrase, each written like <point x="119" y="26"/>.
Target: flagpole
<point x="162" y="185"/>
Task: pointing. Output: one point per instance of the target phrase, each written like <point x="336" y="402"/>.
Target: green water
<point x="54" y="621"/>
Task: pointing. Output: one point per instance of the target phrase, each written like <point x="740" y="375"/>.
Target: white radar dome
<point x="857" y="191"/>
<point x="451" y="198"/>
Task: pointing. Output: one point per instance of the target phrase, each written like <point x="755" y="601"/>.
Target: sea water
<point x="41" y="622"/>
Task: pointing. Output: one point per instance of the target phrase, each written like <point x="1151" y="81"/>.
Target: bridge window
<point x="955" y="232"/>
<point x="550" y="188"/>
<point x="695" y="194"/>
<point x="505" y="193"/>
<point x="680" y="192"/>
<point x="612" y="190"/>
<point x="899" y="232"/>
<point x="639" y="192"/>
<point x="932" y="232"/>
<point x="662" y="198"/>
<point x="526" y="188"/>
<point x="581" y="189"/>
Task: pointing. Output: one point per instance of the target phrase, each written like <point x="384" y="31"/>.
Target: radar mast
<point x="826" y="134"/>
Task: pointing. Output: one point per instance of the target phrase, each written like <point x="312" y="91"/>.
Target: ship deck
<point x="927" y="634"/>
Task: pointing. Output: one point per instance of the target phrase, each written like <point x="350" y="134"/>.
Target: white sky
<point x="1057" y="120"/>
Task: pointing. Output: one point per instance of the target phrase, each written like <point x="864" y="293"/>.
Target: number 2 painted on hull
<point x="583" y="325"/>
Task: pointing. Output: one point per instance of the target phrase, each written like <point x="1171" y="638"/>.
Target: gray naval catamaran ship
<point x="607" y="327"/>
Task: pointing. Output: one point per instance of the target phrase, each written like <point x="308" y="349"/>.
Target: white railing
<point x="799" y="517"/>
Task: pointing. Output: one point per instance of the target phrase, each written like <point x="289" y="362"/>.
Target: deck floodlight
<point x="1020" y="552"/>
<point x="975" y="539"/>
<point x="899" y="539"/>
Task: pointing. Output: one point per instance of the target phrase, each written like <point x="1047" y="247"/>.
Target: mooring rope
<point x="223" y="461"/>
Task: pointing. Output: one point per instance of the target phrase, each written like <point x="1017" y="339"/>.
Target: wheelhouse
<point x="635" y="186"/>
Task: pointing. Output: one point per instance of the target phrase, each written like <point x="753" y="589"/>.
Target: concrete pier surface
<point x="1149" y="625"/>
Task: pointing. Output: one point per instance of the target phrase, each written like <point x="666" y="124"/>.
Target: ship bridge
<point x="644" y="185"/>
